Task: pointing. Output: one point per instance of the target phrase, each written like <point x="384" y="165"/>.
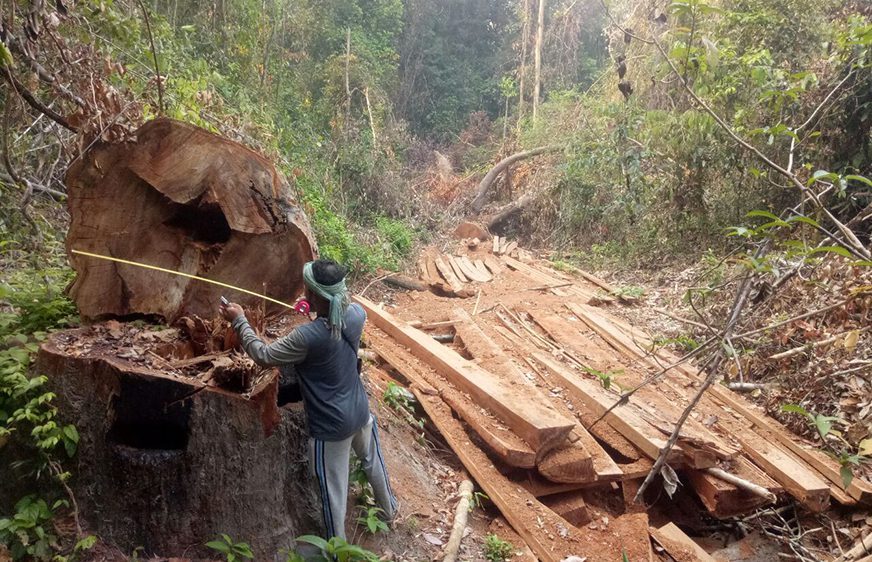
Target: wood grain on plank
<point x="534" y="421"/>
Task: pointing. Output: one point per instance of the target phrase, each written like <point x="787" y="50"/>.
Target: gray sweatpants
<point x="329" y="461"/>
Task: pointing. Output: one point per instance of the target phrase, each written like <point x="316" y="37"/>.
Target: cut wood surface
<point x="534" y="421"/>
<point x="569" y="505"/>
<point x="550" y="537"/>
<point x="497" y="244"/>
<point x="510" y="448"/>
<point x="543" y="278"/>
<point x="796" y="476"/>
<point x="723" y="499"/>
<point x="582" y="459"/>
<point x="652" y="406"/>
<point x="457" y="269"/>
<point x="569" y="463"/>
<point x="621" y="446"/>
<point x="471" y="271"/>
<point x="179" y="197"/>
<point x="679" y="546"/>
<point x="622" y="418"/>
<point x="483" y="270"/>
<point x="447" y="273"/>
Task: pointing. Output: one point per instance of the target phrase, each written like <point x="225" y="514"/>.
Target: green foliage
<point x="371" y="520"/>
<point x="82" y="546"/>
<point x="28" y="532"/>
<point x="606" y="378"/>
<point x="334" y="549"/>
<point x="478" y="499"/>
<point x="823" y="426"/>
<point x="357" y="476"/>
<point x="683" y="341"/>
<point x="231" y="550"/>
<point x="496" y="549"/>
<point x="399" y="399"/>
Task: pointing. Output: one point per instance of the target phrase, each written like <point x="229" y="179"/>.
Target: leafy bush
<point x="335" y="549"/>
<point x="496" y="549"/>
<point x="232" y="551"/>
<point x="28" y="532"/>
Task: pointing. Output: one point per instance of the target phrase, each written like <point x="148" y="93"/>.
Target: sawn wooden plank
<point x="536" y="422"/>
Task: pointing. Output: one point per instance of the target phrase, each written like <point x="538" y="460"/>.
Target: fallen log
<point x="181" y="198"/>
<point x="482" y="192"/>
<point x="461" y="512"/>
<point x="506" y="212"/>
<point x="403" y="282"/>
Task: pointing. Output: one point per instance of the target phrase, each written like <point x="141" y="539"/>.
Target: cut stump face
<point x="184" y="199"/>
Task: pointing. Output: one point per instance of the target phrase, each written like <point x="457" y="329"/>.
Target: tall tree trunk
<point x="347" y="84"/>
<point x="525" y="41"/>
<point x="540" y="29"/>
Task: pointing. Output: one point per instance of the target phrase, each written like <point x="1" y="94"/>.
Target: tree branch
<point x="33" y="102"/>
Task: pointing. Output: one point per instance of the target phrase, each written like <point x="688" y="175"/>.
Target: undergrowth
<point x="32" y="303"/>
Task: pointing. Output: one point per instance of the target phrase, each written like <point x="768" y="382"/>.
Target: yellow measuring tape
<point x="171" y="272"/>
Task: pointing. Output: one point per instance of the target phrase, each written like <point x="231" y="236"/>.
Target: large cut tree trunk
<point x="185" y="199"/>
<point x="167" y="461"/>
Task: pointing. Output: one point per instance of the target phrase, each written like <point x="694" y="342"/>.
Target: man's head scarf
<point x="336" y="295"/>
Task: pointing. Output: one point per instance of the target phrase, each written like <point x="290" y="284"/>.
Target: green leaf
<point x="847" y="474"/>
<point x="71" y="433"/>
<point x="823" y="424"/>
<point x="5" y="55"/>
<point x="86" y="543"/>
<point x="220" y="546"/>
<point x="795" y="409"/>
<point x="806" y="220"/>
<point x="832" y="249"/>
<point x="760" y="213"/>
<point x="314" y="541"/>
<point x="243" y="549"/>
<point x="860" y="179"/>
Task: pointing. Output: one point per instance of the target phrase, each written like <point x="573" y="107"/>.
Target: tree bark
<point x="506" y="212"/>
<point x="166" y="462"/>
<point x="181" y="198"/>
<point x="482" y="192"/>
<point x="537" y="58"/>
<point x="461" y="513"/>
<point x="525" y="40"/>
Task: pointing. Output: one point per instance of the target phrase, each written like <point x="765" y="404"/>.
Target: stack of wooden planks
<point x="453" y="275"/>
<point x="533" y="384"/>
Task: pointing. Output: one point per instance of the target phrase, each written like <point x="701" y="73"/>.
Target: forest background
<point x="384" y="114"/>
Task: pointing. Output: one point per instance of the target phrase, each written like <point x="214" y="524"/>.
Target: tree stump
<point x="181" y="435"/>
<point x="167" y="462"/>
<point x="181" y="198"/>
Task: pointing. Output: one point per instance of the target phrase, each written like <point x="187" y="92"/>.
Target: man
<point x="324" y="353"/>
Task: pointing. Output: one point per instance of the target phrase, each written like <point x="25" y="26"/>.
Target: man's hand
<point x="230" y="311"/>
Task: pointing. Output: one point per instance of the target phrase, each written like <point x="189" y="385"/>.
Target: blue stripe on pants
<point x="325" y="496"/>
<point x="382" y="463"/>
